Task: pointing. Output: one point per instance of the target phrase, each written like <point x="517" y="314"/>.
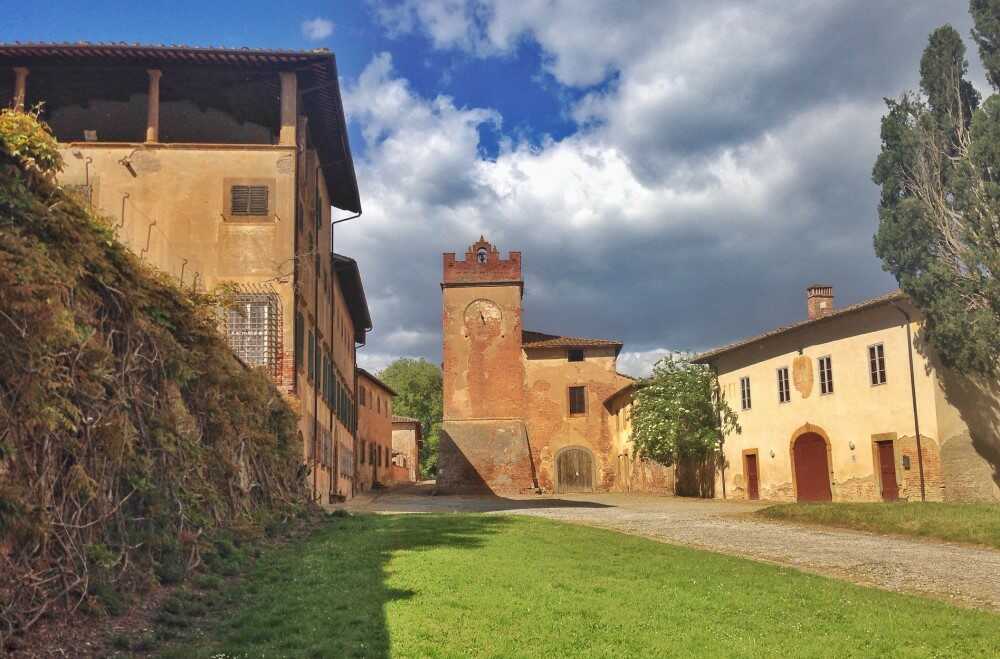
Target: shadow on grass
<point x="326" y="596"/>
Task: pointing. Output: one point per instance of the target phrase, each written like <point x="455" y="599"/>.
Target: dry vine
<point x="128" y="431"/>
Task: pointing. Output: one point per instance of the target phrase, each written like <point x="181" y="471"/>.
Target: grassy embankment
<point x="467" y="585"/>
<point x="954" y="522"/>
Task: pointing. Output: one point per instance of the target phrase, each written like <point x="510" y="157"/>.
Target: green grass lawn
<point x="958" y="522"/>
<point x="486" y="586"/>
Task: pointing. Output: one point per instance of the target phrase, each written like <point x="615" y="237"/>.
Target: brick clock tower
<point x="484" y="443"/>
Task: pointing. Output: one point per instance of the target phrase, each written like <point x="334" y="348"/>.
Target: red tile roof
<point x="374" y="379"/>
<point x="542" y="340"/>
<point x="892" y="296"/>
<point x="317" y="69"/>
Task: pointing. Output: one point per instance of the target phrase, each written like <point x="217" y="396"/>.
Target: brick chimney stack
<point x="819" y="300"/>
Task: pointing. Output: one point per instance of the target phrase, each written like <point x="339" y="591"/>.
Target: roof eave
<point x="889" y="298"/>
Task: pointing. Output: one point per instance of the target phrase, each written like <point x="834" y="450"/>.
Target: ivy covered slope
<point x="130" y="436"/>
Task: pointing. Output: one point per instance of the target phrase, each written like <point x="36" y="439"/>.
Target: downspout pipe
<point x="316" y="379"/>
<point x="913" y="395"/>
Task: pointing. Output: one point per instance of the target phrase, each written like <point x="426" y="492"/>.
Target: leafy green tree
<point x="417" y="384"/>
<point x="939" y="211"/>
<point x="679" y="413"/>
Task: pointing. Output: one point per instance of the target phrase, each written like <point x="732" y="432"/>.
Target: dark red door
<point x="887" y="467"/>
<point x="812" y="471"/>
<point x="753" y="480"/>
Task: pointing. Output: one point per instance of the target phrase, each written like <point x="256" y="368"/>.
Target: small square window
<point x="575" y="355"/>
<point x="248" y="200"/>
<point x="577" y="400"/>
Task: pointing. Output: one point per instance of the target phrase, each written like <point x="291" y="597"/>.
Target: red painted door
<point x="887" y="467"/>
<point x="753" y="480"/>
<point x="812" y="470"/>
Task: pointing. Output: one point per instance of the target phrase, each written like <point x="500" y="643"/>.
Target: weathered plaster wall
<point x="968" y="411"/>
<point x="182" y="188"/>
<point x="856" y="413"/>
<point x="404" y="443"/>
<point x="485" y="456"/>
<point x="375" y="430"/>
<point x="632" y="474"/>
<point x="551" y="427"/>
<point x="483" y="374"/>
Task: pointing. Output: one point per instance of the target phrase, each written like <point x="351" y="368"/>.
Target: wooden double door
<point x="575" y="470"/>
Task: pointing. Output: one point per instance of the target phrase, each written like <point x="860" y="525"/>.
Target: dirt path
<point x="961" y="574"/>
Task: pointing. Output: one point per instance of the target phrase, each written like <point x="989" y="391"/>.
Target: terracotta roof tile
<point x="404" y="419"/>
<point x="891" y="296"/>
<point x="374" y="379"/>
<point x="542" y="340"/>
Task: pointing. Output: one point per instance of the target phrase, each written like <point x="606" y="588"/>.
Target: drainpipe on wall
<point x="316" y="389"/>
<point x="913" y="395"/>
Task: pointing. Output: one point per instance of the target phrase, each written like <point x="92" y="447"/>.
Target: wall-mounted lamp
<point x="772" y="454"/>
<point x="850" y="445"/>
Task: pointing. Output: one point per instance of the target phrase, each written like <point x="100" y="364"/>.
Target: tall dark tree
<point x="943" y="68"/>
<point x="986" y="17"/>
<point x="939" y="211"/>
<point x="418" y="387"/>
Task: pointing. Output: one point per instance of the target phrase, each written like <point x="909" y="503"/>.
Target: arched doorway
<point x="574" y="470"/>
<point x="812" y="468"/>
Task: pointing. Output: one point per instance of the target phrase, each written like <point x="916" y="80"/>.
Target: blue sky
<point x="674" y="173"/>
<point x="535" y="109"/>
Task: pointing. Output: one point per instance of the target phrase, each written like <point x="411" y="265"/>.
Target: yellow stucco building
<point x="221" y="166"/>
<point x="831" y="408"/>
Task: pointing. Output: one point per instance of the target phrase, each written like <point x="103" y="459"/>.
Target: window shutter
<point x="248" y="200"/>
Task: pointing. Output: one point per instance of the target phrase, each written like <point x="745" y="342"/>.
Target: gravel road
<point x="961" y="574"/>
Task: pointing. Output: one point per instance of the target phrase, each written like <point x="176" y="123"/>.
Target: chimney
<point x="819" y="300"/>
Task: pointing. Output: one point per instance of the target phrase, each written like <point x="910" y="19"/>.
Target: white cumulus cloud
<point x="316" y="29"/>
<point x="721" y="161"/>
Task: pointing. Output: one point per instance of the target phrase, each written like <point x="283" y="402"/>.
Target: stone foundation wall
<point x="485" y="456"/>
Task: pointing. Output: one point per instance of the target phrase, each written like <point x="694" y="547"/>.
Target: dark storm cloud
<point x="712" y="180"/>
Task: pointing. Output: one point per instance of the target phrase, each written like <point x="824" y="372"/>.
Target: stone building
<point x="632" y="473"/>
<point x="832" y="407"/>
<point x="221" y="166"/>
<point x="374" y="461"/>
<point x="406" y="444"/>
<point x="523" y="410"/>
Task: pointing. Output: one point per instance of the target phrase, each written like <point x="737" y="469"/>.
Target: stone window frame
<point x="575" y="355"/>
<point x="227" y="200"/>
<point x="569" y="400"/>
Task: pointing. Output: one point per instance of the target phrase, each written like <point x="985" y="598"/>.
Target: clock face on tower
<point x="482" y="316"/>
